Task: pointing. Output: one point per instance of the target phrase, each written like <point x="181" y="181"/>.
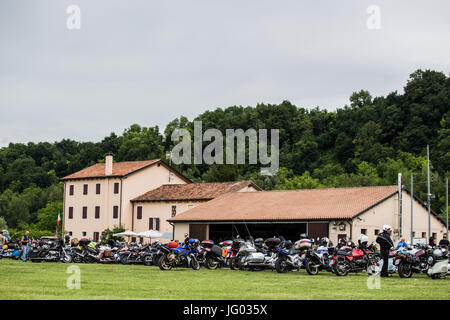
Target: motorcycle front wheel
<point x="234" y="263"/>
<point x="67" y="258"/>
<point x="281" y="266"/>
<point x="404" y="270"/>
<point x="148" y="261"/>
<point x="195" y="265"/>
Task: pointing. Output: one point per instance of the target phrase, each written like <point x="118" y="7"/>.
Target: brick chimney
<point x="108" y="165"/>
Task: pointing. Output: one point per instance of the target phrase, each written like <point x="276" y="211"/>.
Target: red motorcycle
<point x="354" y="259"/>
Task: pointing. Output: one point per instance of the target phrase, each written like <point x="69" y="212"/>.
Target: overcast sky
<point x="149" y="61"/>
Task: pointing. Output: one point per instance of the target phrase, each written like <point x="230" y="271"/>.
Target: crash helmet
<point x="259" y="241"/>
<point x="324" y="241"/>
<point x="303" y="236"/>
<point x="387" y="227"/>
<point x="363" y="239"/>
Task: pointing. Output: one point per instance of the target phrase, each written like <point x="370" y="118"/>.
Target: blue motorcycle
<point x="179" y="256"/>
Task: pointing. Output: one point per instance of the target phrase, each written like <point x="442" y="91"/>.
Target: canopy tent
<point x="149" y="234"/>
<point x="126" y="234"/>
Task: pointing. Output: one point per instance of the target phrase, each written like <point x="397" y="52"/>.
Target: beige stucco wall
<point x="180" y="229"/>
<point x="140" y="183"/>
<point x="132" y="186"/>
<point x="162" y="210"/>
<point x="106" y="200"/>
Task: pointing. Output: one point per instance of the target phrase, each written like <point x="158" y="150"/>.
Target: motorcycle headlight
<point x="430" y="260"/>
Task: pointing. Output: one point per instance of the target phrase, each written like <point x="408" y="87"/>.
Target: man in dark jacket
<point x="385" y="242"/>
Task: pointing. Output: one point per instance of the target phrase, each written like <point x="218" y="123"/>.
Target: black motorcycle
<point x="213" y="255"/>
<point x="50" y="252"/>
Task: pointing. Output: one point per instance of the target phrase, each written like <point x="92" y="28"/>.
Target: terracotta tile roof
<point x="120" y="169"/>
<point x="193" y="191"/>
<point x="310" y="204"/>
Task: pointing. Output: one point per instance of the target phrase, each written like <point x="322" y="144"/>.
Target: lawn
<point x="28" y="280"/>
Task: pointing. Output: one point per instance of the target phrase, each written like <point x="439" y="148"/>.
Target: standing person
<point x="186" y="238"/>
<point x="402" y="243"/>
<point x="444" y="242"/>
<point x="24" y="243"/>
<point x="385" y="242"/>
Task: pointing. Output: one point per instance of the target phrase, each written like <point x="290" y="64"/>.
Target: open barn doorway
<point x="228" y="231"/>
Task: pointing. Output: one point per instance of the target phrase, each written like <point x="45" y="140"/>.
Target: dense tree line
<point x="365" y="143"/>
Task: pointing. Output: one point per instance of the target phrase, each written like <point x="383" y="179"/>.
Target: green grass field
<point x="28" y="280"/>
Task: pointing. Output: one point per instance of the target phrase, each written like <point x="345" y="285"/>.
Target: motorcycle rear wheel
<point x="341" y="268"/>
<point x="313" y="271"/>
<point x="211" y="264"/>
<point x="404" y="270"/>
<point x="164" y="263"/>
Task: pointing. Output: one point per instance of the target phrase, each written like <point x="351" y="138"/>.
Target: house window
<point x="71" y="190"/>
<point x="84" y="212"/>
<point x="414" y="234"/>
<point x="85" y="189"/>
<point x="116" y="188"/>
<point x="434" y="235"/>
<point x="70" y="212"/>
<point x="70" y="233"/>
<point x="97" y="188"/>
<point x="377" y="231"/>
<point x="171" y="177"/>
<point x="174" y="211"/>
<point x="115" y="212"/>
<point x="96" y="236"/>
<point x="153" y="224"/>
<point x="424" y="234"/>
<point x="97" y="212"/>
<point x="364" y="231"/>
<point x="84" y="233"/>
<point x="139" y="213"/>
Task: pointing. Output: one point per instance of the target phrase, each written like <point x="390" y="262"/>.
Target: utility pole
<point x="412" y="210"/>
<point x="399" y="205"/>
<point x="429" y="192"/>
<point x="446" y="202"/>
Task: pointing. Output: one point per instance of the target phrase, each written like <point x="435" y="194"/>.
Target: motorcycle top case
<point x="207" y="243"/>
<point x="303" y="244"/>
<point x="272" y="242"/>
<point x="172" y="244"/>
<point x="237" y="243"/>
<point x="227" y="243"/>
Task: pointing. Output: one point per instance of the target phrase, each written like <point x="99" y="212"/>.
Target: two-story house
<point x="98" y="197"/>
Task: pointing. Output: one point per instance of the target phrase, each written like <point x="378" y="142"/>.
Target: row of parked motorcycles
<point x="274" y="253"/>
<point x="283" y="256"/>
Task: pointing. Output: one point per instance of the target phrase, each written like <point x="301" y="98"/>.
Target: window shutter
<point x="85" y="189"/>
<point x="139" y="213"/>
<point x="116" y="188"/>
<point x="70" y="212"/>
<point x="157" y="224"/>
<point x="84" y="212"/>
<point x="150" y="223"/>
<point x="97" y="188"/>
<point x="115" y="212"/>
<point x="71" y="190"/>
<point x="97" y="212"/>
